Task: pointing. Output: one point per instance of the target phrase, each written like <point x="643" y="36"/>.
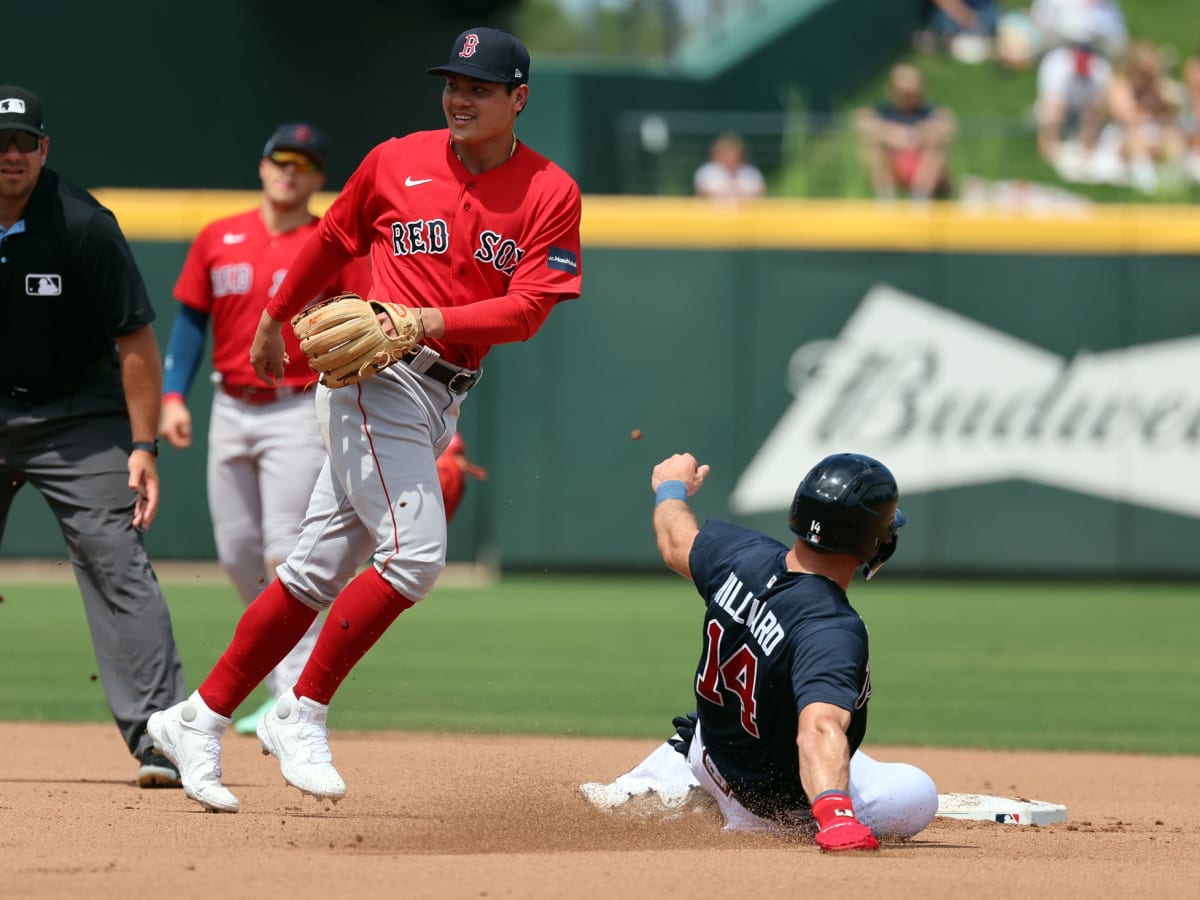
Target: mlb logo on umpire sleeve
<point x="43" y="285"/>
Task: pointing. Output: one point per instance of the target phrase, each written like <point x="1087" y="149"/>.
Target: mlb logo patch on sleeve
<point x="43" y="285"/>
<point x="562" y="260"/>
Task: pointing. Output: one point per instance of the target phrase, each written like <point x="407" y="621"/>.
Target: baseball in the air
<point x="636" y="434"/>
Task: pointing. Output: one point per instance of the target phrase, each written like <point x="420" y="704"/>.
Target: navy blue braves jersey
<point x="774" y="642"/>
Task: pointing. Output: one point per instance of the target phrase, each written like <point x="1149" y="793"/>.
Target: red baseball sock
<point x="359" y="616"/>
<point x="266" y="633"/>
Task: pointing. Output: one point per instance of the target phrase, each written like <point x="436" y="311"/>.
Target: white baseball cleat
<point x="295" y="733"/>
<point x="604" y="796"/>
<point x="189" y="735"/>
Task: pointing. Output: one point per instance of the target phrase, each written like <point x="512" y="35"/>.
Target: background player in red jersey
<point x="264" y="449"/>
<point x="784" y="676"/>
<point x="478" y="234"/>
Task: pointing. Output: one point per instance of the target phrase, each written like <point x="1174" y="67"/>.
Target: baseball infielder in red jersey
<point x="480" y="236"/>
<point x="264" y="449"/>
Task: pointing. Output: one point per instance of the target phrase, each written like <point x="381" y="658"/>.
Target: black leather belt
<point x="456" y="380"/>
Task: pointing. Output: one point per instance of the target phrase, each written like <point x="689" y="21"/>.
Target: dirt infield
<point x="487" y="817"/>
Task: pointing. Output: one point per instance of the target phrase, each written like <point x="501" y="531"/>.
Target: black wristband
<point x="150" y="447"/>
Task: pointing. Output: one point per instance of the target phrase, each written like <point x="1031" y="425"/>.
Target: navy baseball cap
<point x="299" y="137"/>
<point x="487" y="54"/>
<point x="21" y="110"/>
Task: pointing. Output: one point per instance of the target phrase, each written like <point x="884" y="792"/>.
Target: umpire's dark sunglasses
<point x="25" y="141"/>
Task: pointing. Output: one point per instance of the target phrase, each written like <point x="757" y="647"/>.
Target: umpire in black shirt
<point x="79" y="423"/>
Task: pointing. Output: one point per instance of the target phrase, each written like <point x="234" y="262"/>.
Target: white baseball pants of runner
<point x="262" y="463"/>
<point x="377" y="497"/>
<point x="892" y="799"/>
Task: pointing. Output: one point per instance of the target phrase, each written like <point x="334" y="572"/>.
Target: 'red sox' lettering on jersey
<point x="501" y="253"/>
<point x="234" y="279"/>
<point x="420" y="236"/>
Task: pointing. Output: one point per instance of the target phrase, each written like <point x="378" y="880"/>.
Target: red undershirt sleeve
<point x="500" y="320"/>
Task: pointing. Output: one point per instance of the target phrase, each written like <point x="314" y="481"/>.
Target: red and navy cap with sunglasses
<point x="299" y="137"/>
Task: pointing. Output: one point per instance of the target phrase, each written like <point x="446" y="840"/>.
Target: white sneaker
<point x="189" y="735"/>
<point x="651" y="803"/>
<point x="295" y="733"/>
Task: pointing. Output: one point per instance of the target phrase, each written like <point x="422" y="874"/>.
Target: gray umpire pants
<point x="78" y="460"/>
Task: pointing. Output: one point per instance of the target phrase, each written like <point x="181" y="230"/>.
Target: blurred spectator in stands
<point x="1191" y="114"/>
<point x="963" y="27"/>
<point x="904" y="140"/>
<point x="727" y="175"/>
<point x="1059" y="22"/>
<point x="1144" y="106"/>
<point x="1018" y="41"/>
<point x="1072" y="85"/>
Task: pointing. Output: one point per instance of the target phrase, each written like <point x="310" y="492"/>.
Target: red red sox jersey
<point x="495" y="251"/>
<point x="234" y="267"/>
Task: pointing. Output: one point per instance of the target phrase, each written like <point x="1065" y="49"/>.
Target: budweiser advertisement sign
<point x="947" y="402"/>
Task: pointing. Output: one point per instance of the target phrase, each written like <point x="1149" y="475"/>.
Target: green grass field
<point x="1005" y="665"/>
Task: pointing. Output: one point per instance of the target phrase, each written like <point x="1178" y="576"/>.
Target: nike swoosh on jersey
<point x="231" y="238"/>
<point x="413" y="182"/>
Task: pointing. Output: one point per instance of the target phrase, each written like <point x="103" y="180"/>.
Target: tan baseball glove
<point x="345" y="342"/>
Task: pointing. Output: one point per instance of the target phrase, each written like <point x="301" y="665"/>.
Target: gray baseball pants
<point x="78" y="461"/>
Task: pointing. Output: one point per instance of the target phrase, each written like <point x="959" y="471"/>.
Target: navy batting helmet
<point x="847" y="503"/>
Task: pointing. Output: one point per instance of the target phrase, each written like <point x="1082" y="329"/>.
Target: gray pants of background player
<point x="79" y="463"/>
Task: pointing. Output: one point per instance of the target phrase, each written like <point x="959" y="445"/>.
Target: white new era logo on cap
<point x="12" y="105"/>
<point x="516" y="73"/>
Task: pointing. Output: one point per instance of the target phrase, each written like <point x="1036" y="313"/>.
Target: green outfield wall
<point x="144" y="94"/>
<point x="1031" y="381"/>
<point x="184" y="95"/>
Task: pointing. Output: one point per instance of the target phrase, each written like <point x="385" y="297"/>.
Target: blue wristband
<point x="670" y="490"/>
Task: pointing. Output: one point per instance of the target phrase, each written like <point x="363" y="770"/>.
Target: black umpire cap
<point x="487" y="54"/>
<point x="21" y="109"/>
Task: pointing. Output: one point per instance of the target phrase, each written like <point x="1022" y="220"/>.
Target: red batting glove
<point x="838" y="829"/>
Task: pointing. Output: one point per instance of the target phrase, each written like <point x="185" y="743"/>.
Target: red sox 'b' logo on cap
<point x="470" y="42"/>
